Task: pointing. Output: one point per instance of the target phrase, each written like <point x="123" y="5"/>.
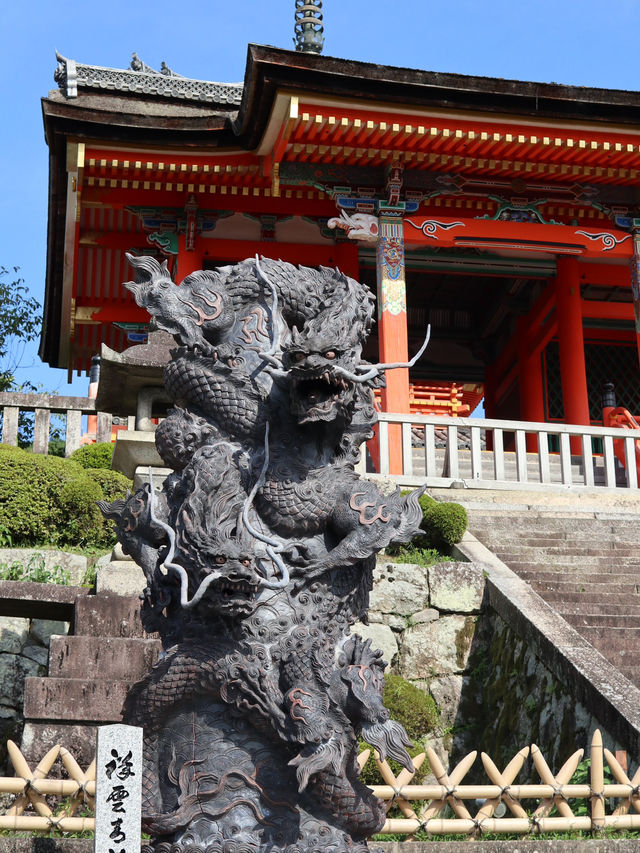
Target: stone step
<point x="39" y="600"/>
<point x="109" y="615"/>
<point x="614" y="639"/>
<point x="564" y="587"/>
<point x="114" y="658"/>
<point x="544" y="574"/>
<point x="595" y="607"/>
<point x="598" y="599"/>
<point x="632" y="672"/>
<point x="555" y="521"/>
<point x="596" y="548"/>
<point x="606" y="564"/>
<point x="600" y="620"/>
<point x="74" y="699"/>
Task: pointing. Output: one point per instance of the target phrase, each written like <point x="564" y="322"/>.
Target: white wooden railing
<point x="518" y="453"/>
<point x="43" y="405"/>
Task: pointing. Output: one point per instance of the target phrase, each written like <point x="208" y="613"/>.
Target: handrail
<point x="43" y="405"/>
<point x="508" y="454"/>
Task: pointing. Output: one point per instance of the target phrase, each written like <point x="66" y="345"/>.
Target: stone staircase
<point x="89" y="674"/>
<point x="510" y="466"/>
<point x="586" y="568"/>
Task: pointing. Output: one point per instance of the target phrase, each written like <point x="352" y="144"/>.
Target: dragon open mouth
<point x="225" y="594"/>
<point x="315" y="397"/>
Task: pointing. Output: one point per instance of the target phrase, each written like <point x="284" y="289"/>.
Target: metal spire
<point x="308" y="27"/>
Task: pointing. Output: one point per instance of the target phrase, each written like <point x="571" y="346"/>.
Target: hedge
<point x="48" y="500"/>
<point x="94" y="455"/>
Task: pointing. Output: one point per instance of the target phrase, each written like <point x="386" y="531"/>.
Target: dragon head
<point x="329" y="344"/>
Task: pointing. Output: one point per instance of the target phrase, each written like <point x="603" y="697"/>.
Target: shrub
<point x="48" y="500"/>
<point x="83" y="519"/>
<point x="94" y="455"/>
<point x="114" y="485"/>
<point x="417" y="712"/>
<point x="445" y="524"/>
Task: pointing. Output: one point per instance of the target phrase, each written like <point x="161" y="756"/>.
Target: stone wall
<point x="424" y="619"/>
<point x="494" y="691"/>
<point x="24" y="651"/>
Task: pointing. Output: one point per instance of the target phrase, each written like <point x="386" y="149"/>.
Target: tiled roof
<point x="71" y="75"/>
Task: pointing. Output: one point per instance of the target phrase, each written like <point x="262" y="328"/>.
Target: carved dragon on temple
<point x="258" y="554"/>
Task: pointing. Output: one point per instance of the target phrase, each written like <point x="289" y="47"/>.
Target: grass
<point x="420" y="556"/>
<point x="36" y="571"/>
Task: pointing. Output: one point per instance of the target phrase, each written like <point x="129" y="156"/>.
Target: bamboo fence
<point x="421" y="806"/>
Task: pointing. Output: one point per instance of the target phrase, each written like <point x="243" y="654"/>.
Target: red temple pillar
<point x="189" y="259"/>
<point x="392" y="324"/>
<point x="573" y="372"/>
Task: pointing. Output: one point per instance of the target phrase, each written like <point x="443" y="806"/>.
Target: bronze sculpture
<point x="258" y="554"/>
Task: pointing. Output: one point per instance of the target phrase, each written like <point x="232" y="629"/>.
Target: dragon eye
<point x="220" y="560"/>
<point x="298" y="356"/>
<point x="330" y="355"/>
<point x="245" y="561"/>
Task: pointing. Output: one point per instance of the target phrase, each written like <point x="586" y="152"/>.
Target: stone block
<point x="115" y="658"/>
<point x="37" y="653"/>
<point x="14" y="633"/>
<point x="39" y="600"/>
<point x="75" y="699"/>
<point x="109" y="615"/>
<point x="429" y="614"/>
<point x="135" y="448"/>
<point x="436" y="648"/>
<point x="456" y="587"/>
<point x="14" y="669"/>
<point x="121" y="577"/>
<point x="400" y="588"/>
<point x="43" y="629"/>
<point x="381" y="636"/>
<point x="447" y="692"/>
<point x="74" y="564"/>
<point x="38" y="738"/>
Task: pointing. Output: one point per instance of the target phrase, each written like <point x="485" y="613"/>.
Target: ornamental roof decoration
<point x="142" y="79"/>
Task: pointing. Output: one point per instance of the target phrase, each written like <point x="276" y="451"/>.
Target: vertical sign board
<point x="118" y="789"/>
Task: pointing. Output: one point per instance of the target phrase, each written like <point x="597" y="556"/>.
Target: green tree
<point x="20" y="322"/>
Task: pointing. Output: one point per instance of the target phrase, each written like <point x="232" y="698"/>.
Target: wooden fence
<point x="421" y="806"/>
<point x="44" y="405"/>
<point x="480" y="453"/>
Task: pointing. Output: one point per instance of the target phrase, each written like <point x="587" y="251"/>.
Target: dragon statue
<point x="258" y="554"/>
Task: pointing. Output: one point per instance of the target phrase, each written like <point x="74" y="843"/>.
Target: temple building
<point x="504" y="214"/>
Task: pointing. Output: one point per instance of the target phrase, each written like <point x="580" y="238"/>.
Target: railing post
<point x="73" y="431"/>
<point x="543" y="458"/>
<point x="521" y="456"/>
<point x="498" y="453"/>
<point x="587" y="460"/>
<point x="10" y="425"/>
<point x="383" y="439"/>
<point x="407" y="450"/>
<point x="565" y="458"/>
<point x="476" y="454"/>
<point x="41" y="431"/>
<point x="609" y="462"/>
<point x="453" y="468"/>
<point x="430" y="450"/>
<point x="104" y="427"/>
<point x="630" y="462"/>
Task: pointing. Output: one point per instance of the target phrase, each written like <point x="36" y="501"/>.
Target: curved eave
<point x="270" y="69"/>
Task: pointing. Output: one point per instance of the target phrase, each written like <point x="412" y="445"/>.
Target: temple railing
<point x="43" y="406"/>
<point x="477" y="453"/>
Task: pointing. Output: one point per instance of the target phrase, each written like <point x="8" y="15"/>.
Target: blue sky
<point x="580" y="42"/>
